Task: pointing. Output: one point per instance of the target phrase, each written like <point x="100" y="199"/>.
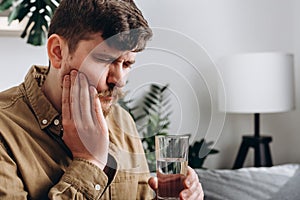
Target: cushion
<point x="290" y="190"/>
<point x="246" y="183"/>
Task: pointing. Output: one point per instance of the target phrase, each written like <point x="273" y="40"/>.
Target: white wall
<point x="16" y="58"/>
<point x="228" y="27"/>
<point x="197" y="33"/>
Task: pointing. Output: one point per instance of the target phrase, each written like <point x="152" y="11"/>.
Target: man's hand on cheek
<point x="85" y="128"/>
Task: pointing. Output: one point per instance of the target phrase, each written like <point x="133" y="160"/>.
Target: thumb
<point x="153" y="183"/>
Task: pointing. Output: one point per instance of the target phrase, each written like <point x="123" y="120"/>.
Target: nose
<point x="116" y="74"/>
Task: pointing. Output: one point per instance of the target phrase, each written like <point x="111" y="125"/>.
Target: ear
<point x="55" y="45"/>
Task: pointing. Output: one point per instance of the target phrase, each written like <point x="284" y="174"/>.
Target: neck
<point x="52" y="91"/>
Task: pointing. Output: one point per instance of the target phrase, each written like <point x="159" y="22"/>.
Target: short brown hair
<point x="75" y="20"/>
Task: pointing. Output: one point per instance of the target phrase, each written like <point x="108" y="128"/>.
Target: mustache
<point x="115" y="92"/>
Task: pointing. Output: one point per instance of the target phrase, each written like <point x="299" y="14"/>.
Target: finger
<point x="66" y="112"/>
<point x="191" y="178"/>
<point x="75" y="97"/>
<point x="153" y="183"/>
<point x="195" y="192"/>
<point x="201" y="191"/>
<point x="98" y="116"/>
<point x="85" y="101"/>
<point x="193" y="186"/>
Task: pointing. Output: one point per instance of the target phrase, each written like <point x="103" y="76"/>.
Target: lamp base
<point x="262" y="156"/>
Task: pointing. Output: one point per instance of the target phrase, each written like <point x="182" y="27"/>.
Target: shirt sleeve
<point x="11" y="185"/>
<point x="82" y="180"/>
<point x="144" y="190"/>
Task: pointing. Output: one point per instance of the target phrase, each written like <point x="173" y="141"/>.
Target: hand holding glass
<point x="171" y="164"/>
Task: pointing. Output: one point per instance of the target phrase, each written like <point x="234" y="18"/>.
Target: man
<point x="61" y="135"/>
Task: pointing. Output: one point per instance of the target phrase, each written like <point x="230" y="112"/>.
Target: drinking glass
<point x="171" y="164"/>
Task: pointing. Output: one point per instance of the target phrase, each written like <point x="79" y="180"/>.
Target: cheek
<point x="95" y="72"/>
<point x="99" y="79"/>
<point x="67" y="65"/>
<point x="126" y="75"/>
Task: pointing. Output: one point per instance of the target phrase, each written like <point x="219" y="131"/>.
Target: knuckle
<point x="85" y="128"/>
<point x="65" y="100"/>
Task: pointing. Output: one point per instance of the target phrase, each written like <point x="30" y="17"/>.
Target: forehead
<point x="101" y="48"/>
<point x="128" y="55"/>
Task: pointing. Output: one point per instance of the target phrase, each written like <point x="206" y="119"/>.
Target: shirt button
<point x="56" y="122"/>
<point x="97" y="187"/>
<point x="44" y="121"/>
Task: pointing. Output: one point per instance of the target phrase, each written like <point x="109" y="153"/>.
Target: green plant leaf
<point x="19" y="12"/>
<point x="5" y="4"/>
<point x="140" y="117"/>
<point x="154" y="119"/>
<point x="30" y="21"/>
<point x="166" y="103"/>
<point x="51" y="5"/>
<point x="37" y="36"/>
<point x="154" y="96"/>
<point x="39" y="12"/>
<point x="22" y="12"/>
<point x="150" y="101"/>
<point x="213" y="151"/>
<point x="155" y="87"/>
<point x="164" y="88"/>
<point x="199" y="151"/>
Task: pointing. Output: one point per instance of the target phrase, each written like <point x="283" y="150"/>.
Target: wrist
<point x="97" y="163"/>
<point x="92" y="160"/>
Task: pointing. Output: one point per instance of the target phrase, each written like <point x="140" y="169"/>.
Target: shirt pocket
<point x="125" y="186"/>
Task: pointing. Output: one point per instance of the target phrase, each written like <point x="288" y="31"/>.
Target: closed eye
<point x="129" y="63"/>
<point x="103" y="58"/>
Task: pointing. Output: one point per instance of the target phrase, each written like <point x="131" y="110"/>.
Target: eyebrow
<point x="106" y="56"/>
<point x="112" y="58"/>
<point x="130" y="61"/>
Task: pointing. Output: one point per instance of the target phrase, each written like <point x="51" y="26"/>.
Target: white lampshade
<point x="257" y="83"/>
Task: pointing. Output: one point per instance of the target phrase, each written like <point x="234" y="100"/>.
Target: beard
<point x="106" y="105"/>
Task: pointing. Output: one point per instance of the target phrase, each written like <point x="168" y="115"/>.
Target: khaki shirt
<point x="36" y="164"/>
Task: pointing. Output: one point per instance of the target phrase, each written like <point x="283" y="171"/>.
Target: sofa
<point x="281" y="182"/>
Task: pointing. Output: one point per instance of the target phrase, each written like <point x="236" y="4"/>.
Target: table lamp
<point x="257" y="83"/>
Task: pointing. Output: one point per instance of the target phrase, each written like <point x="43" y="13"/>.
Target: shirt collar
<point x="44" y="111"/>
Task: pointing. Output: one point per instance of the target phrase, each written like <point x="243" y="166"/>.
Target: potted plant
<point x="38" y="13"/>
<point x="152" y="119"/>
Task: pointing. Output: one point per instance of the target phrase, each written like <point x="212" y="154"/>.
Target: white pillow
<point x="245" y="183"/>
<point x="290" y="190"/>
